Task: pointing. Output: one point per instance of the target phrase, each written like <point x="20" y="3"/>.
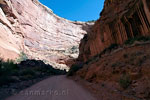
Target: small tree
<point x="74" y="68"/>
<point x="74" y="49"/>
<point x="125" y="81"/>
<point x="22" y="57"/>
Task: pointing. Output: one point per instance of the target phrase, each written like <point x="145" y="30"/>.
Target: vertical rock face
<point x="121" y="72"/>
<point x="33" y="28"/>
<point x="119" y="21"/>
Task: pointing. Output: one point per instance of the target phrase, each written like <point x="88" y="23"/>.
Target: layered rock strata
<point x="33" y="28"/>
<point x="119" y="21"/>
<point x="115" y="72"/>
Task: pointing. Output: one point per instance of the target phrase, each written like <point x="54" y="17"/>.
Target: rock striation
<point x="112" y="71"/>
<point x="33" y="28"/>
<point x="119" y="21"/>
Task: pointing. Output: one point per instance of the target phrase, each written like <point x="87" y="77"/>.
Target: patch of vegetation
<point x="125" y="56"/>
<point x="91" y="21"/>
<point x="114" y="65"/>
<point x="118" y="64"/>
<point x="109" y="49"/>
<point x="74" y="68"/>
<point x="74" y="49"/>
<point x="92" y="78"/>
<point x="125" y="81"/>
<point x="22" y="57"/>
<point x="141" y="39"/>
<point x="25" y="70"/>
<point x="141" y="60"/>
<point x="115" y="46"/>
<point x="7" y="69"/>
<point x="102" y="85"/>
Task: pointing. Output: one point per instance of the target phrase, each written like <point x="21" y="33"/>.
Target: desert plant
<point x="110" y="48"/>
<point x="91" y="21"/>
<point x="74" y="49"/>
<point x="27" y="72"/>
<point x="22" y="57"/>
<point x="132" y="40"/>
<point x="113" y="46"/>
<point x="6" y="69"/>
<point x="125" y="81"/>
<point x="125" y="56"/>
<point x="74" y="68"/>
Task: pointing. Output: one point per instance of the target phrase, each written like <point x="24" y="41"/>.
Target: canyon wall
<point x="30" y="27"/>
<point x="112" y="71"/>
<point x="119" y="21"/>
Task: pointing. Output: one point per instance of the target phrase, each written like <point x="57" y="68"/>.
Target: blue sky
<point x="75" y="10"/>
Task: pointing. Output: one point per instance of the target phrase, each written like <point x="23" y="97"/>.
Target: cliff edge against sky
<point x="30" y="27"/>
<point x="114" y="56"/>
<point x="120" y="20"/>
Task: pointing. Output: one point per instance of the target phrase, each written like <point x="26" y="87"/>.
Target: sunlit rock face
<point x="29" y="26"/>
<point x="119" y="21"/>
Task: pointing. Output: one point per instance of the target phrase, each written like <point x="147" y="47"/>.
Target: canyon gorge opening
<point x="114" y="51"/>
<point x="32" y="28"/>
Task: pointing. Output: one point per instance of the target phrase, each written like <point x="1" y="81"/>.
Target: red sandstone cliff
<point x="119" y="21"/>
<point x="117" y="72"/>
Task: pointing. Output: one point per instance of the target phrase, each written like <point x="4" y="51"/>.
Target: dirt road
<point x="54" y="88"/>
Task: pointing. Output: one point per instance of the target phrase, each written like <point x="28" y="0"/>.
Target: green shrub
<point x="125" y="81"/>
<point x="91" y="21"/>
<point x="6" y="80"/>
<point x="74" y="49"/>
<point x="22" y="57"/>
<point x="9" y="64"/>
<point x="113" y="46"/>
<point x="27" y="72"/>
<point x="74" y="68"/>
<point x="132" y="40"/>
<point x="6" y="70"/>
<point x="125" y="56"/>
<point x="26" y="77"/>
<point x="7" y="67"/>
<point x="109" y="49"/>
